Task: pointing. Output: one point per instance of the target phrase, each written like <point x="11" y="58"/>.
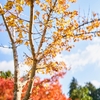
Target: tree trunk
<point x="16" y="72"/>
<point x="15" y="57"/>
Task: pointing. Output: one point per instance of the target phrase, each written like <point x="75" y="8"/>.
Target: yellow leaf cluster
<point x="89" y="28"/>
<point x="20" y="1"/>
<point x="28" y="61"/>
<point x="11" y="17"/>
<point x="93" y="25"/>
<point x="20" y="35"/>
<point x="1" y="11"/>
<point x="62" y="2"/>
<point x="19" y="8"/>
<point x="43" y="6"/>
<point x="53" y="67"/>
<point x="19" y="41"/>
<point x="11" y="20"/>
<point x="9" y="5"/>
<point x="61" y="9"/>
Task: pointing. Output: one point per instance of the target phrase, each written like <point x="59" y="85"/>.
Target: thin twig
<point x="2" y="46"/>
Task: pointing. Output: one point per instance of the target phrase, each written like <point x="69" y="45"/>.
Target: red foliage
<point x="6" y="89"/>
<point x="47" y="89"/>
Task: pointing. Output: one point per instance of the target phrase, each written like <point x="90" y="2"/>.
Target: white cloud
<point x="5" y="50"/>
<point x="96" y="83"/>
<point x="5" y="66"/>
<point x="78" y="60"/>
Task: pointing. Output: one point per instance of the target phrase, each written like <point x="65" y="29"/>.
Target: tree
<point x="6" y="74"/>
<point x="96" y="94"/>
<point x="46" y="33"/>
<point x="90" y="87"/>
<point x="47" y="89"/>
<point x="77" y="92"/>
<point x="72" y="87"/>
<point x="81" y="93"/>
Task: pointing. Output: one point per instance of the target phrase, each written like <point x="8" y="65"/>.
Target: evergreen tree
<point x="73" y="86"/>
<point x="96" y="94"/>
<point x="77" y="92"/>
<point x="90" y="87"/>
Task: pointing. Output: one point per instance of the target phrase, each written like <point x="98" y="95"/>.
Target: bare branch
<point x="27" y="56"/>
<point x="5" y="46"/>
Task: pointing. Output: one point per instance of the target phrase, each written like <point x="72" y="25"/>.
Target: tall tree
<point x="77" y="92"/>
<point x="72" y="87"/>
<point x="47" y="31"/>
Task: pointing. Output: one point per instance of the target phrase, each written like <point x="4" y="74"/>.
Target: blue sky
<point x="84" y="58"/>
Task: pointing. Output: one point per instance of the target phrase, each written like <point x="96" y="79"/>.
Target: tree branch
<point x="45" y="28"/>
<point x="33" y="70"/>
<point x="2" y="46"/>
<point x="85" y="23"/>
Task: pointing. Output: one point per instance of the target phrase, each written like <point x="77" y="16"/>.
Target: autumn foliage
<point x="47" y="89"/>
<point x="6" y="89"/>
<point x="45" y="28"/>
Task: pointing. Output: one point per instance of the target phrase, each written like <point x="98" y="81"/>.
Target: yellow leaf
<point x="13" y="16"/>
<point x="20" y="35"/>
<point x="20" y="2"/>
<point x="11" y="23"/>
<point x="28" y="2"/>
<point x="19" y="8"/>
<point x="35" y="17"/>
<point x="26" y="43"/>
<point x="38" y="13"/>
<point x="19" y="41"/>
<point x="98" y="34"/>
<point x="9" y="5"/>
<point x="20" y="21"/>
<point x="1" y="11"/>
<point x="37" y="1"/>
<point x="61" y="1"/>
